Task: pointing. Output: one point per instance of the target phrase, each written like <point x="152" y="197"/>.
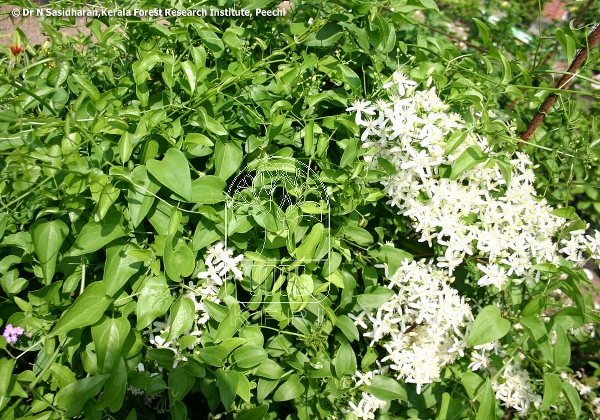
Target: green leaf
<point x="265" y="387"/>
<point x="472" y="383"/>
<point x="228" y="158"/>
<point x="95" y="235"/>
<point x="350" y="153"/>
<point x="506" y="69"/>
<point x="178" y="258"/>
<point x="562" y="348"/>
<point x="208" y="190"/>
<point x="269" y="369"/>
<point x="206" y="233"/>
<point x="570" y="318"/>
<point x="212" y="41"/>
<point x="468" y="159"/>
<point x="306" y="250"/>
<point x="6" y="370"/>
<point x="109" y="337"/>
<point x="351" y="78"/>
<point x="154" y="301"/>
<point x="200" y="139"/>
<point x="572" y="397"/>
<point x="115" y="388"/>
<point x="227" y="383"/>
<point x="309" y="138"/>
<point x="215" y="127"/>
<point x="47" y="294"/>
<point x="47" y="238"/>
<point x="290" y="389"/>
<point x="393" y="257"/>
<point x="257" y="413"/>
<point x="487" y="403"/>
<point x="182" y="317"/>
<point x="345" y="361"/>
<point x="249" y="356"/>
<point x="141" y="67"/>
<point x="231" y="39"/>
<point x="140" y="195"/>
<point x="535" y="306"/>
<point x="88" y="87"/>
<point x="345" y="324"/>
<point x="119" y="267"/>
<point x="190" y="74"/>
<point x="387" y="389"/>
<point x="552" y="390"/>
<point x="537" y="331"/>
<point x="388" y="35"/>
<point x="567" y="41"/>
<point x="230" y="324"/>
<point x="73" y="397"/>
<point x="359" y="235"/>
<point x="180" y="383"/>
<point x="484" y="31"/>
<point x="212" y="355"/>
<point x="456" y="139"/>
<point x="300" y="288"/>
<point x="361" y="36"/>
<point x="86" y="310"/>
<point x="326" y="36"/>
<point x="173" y="172"/>
<point x="125" y="147"/>
<point x="488" y="326"/>
<point x="375" y="298"/>
<point x="63" y="72"/>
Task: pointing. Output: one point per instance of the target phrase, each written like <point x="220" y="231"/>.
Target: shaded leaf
<point x="154" y="301"/>
<point x="86" y="310"/>
<point x="173" y="172"/>
<point x="73" y="397"/>
<point x="47" y="238"/>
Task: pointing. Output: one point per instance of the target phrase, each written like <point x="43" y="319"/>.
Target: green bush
<point x="233" y="217"/>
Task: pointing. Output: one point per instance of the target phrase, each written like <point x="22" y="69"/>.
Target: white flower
<point x="422" y="327"/>
<point x="360" y="106"/>
<point x="213" y="272"/>
<point x="474" y="214"/>
<point x="514" y="389"/>
<point x="401" y="82"/>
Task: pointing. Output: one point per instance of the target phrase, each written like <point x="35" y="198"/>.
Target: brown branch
<point x="563" y="83"/>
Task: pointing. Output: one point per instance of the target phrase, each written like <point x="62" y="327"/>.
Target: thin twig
<point x="576" y="23"/>
<point x="563" y="83"/>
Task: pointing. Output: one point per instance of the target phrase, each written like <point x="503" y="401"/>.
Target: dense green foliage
<point x="119" y="153"/>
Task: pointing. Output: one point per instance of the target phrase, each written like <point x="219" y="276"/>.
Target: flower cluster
<point x="580" y="245"/>
<point x="367" y="406"/>
<point x="12" y="333"/>
<point x="514" y="389"/>
<point x="455" y="191"/>
<point x="513" y="386"/>
<point x="368" y="403"/>
<point x="220" y="263"/>
<point x="423" y="327"/>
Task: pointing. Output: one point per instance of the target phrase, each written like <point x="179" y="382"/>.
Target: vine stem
<point x="576" y="23"/>
<point x="563" y="83"/>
